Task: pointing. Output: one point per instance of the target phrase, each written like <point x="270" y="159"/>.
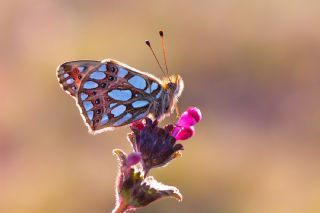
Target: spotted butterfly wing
<point x="71" y="73"/>
<point x="112" y="94"/>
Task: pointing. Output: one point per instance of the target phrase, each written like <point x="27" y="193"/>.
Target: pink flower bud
<point x="133" y="158"/>
<point x="137" y="125"/>
<point x="189" y="117"/>
<point x="186" y="120"/>
<point x="195" y="113"/>
<point x="184" y="133"/>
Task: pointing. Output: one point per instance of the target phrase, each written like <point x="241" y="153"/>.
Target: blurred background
<point x="251" y="66"/>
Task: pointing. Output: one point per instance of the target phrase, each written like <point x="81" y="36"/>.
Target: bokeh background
<point x="251" y="66"/>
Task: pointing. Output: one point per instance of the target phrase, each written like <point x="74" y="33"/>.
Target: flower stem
<point x="120" y="208"/>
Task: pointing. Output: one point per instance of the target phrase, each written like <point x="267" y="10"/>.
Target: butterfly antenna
<point x="164" y="51"/>
<point x="149" y="45"/>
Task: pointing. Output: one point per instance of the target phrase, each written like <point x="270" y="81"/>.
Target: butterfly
<point x="111" y="94"/>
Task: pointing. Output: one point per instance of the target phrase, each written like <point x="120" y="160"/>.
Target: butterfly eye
<point x="111" y="78"/>
<point x="79" y="76"/>
<point x="98" y="111"/>
<point x="97" y="101"/>
<point x="172" y="86"/>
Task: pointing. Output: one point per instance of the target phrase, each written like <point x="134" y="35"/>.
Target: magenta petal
<point x="185" y="133"/>
<point x="190" y="117"/>
<point x="195" y="113"/>
<point x="175" y="131"/>
<point x="133" y="158"/>
<point x="186" y="120"/>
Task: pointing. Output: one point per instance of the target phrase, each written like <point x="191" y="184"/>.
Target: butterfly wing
<point x="71" y="73"/>
<point x="114" y="94"/>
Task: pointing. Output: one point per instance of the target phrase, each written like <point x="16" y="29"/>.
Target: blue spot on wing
<point x="123" y="119"/>
<point x="148" y="91"/>
<point x="122" y="72"/>
<point x="118" y="110"/>
<point x="70" y="81"/>
<point x="82" y="68"/>
<point x="159" y="94"/>
<point x="90" y="85"/>
<point x="103" y="68"/>
<point x="87" y="105"/>
<point x="112" y="105"/>
<point x="154" y="86"/>
<point x="140" y="116"/>
<point x="104" y="119"/>
<point x="83" y="96"/>
<point x="97" y="75"/>
<point x="138" y="104"/>
<point x="120" y="95"/>
<point x="90" y="115"/>
<point x="138" y="82"/>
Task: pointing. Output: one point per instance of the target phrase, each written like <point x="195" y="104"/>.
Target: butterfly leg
<point x="177" y="109"/>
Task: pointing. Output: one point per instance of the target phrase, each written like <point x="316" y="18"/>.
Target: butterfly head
<point x="174" y="86"/>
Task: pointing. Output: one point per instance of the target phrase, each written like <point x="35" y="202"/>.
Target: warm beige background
<point x="251" y="66"/>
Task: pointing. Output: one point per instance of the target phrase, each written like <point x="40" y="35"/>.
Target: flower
<point x="190" y="117"/>
<point x="133" y="190"/>
<point x="156" y="145"/>
<point x="153" y="146"/>
<point x="184" y="128"/>
<point x="183" y="133"/>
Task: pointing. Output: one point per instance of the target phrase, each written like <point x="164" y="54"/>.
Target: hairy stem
<point x="120" y="208"/>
